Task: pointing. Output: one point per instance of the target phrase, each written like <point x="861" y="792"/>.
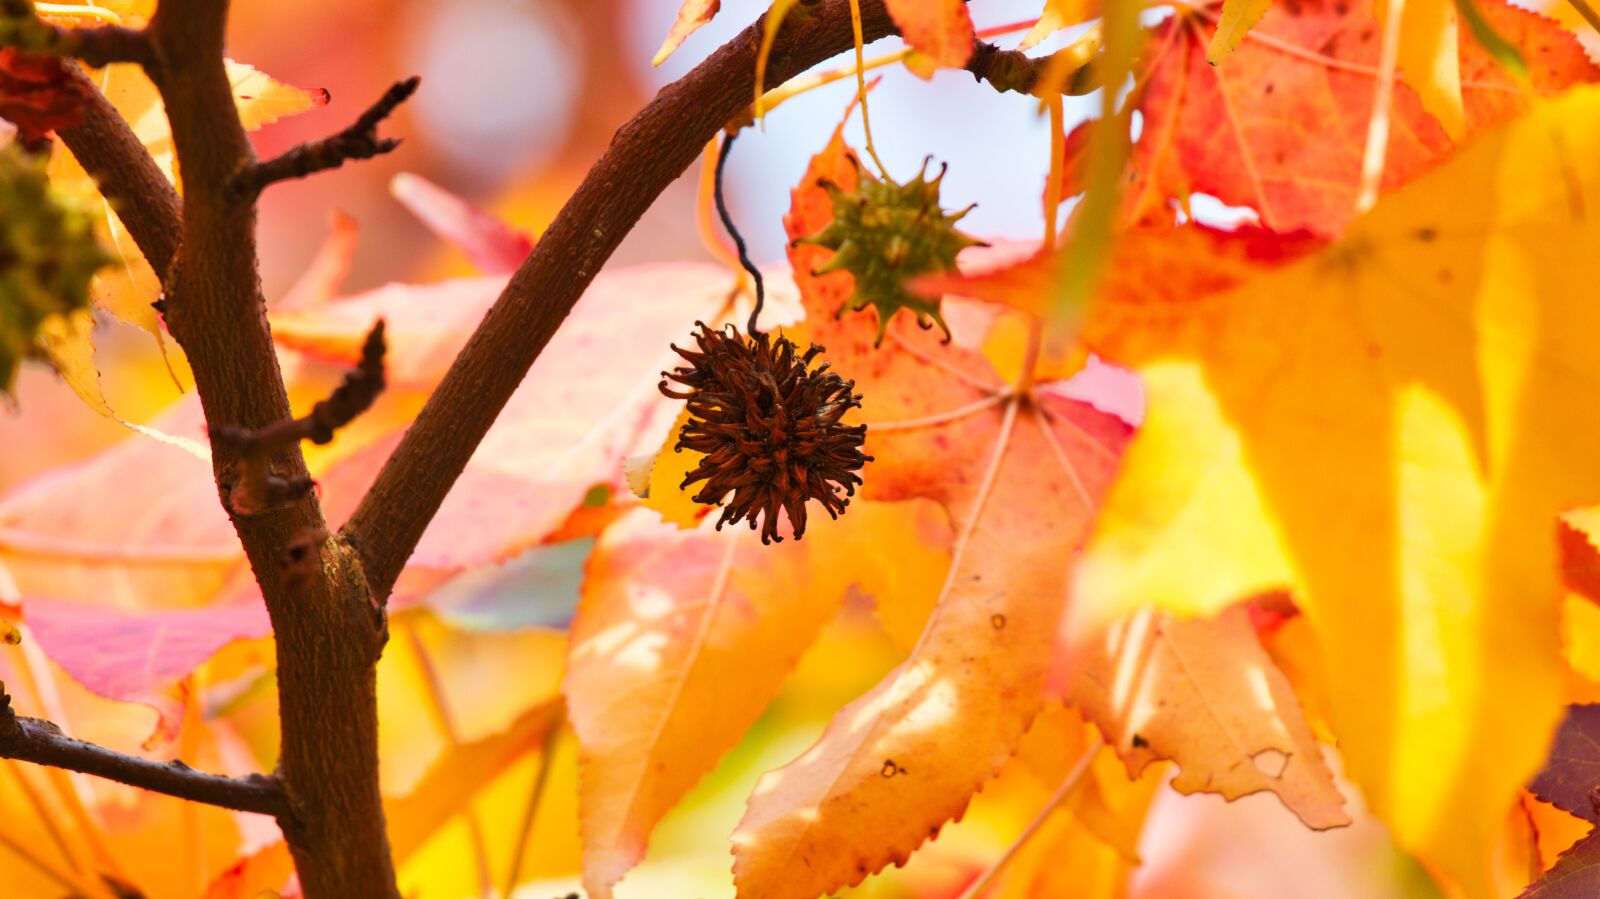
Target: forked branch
<point x="258" y="489"/>
<point x="359" y="141"/>
<point x="41" y="742"/>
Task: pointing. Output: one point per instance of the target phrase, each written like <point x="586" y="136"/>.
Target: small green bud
<point x="884" y="234"/>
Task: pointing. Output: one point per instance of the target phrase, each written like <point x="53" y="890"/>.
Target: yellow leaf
<point x="69" y="342"/>
<point x="1067" y="857"/>
<point x="1057" y="14"/>
<point x="666" y="494"/>
<point x="127" y="291"/>
<point x="1430" y="57"/>
<point x="680" y="640"/>
<point x="450" y="784"/>
<point x="1580" y="635"/>
<point x="901" y="562"/>
<point x="1389" y="428"/>
<point x="1204" y="694"/>
<point x="263" y="100"/>
<point x="1238" y="17"/>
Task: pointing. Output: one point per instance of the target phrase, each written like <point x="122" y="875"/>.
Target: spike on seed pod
<point x="884" y="234"/>
<point x="769" y="426"/>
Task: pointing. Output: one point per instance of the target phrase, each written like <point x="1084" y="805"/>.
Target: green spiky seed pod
<point x="48" y="253"/>
<point x="884" y="234"/>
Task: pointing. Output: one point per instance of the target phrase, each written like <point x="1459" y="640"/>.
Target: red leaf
<point x="38" y="94"/>
<point x="1576" y="874"/>
<point x="1238" y="131"/>
<point x="1572" y="774"/>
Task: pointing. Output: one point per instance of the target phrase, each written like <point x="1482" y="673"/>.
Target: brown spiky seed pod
<point x="769" y="426"/>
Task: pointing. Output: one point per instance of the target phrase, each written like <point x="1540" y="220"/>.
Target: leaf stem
<point x="861" y="86"/>
<point x="439" y="707"/>
<point x="1051" y="805"/>
<point x="705" y="220"/>
<point x="530" y="813"/>
<point x="1587" y="12"/>
<point x="1053" y="183"/>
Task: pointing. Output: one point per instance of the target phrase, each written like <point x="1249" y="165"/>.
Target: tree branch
<point x="328" y="637"/>
<point x="1013" y="70"/>
<point x="258" y="490"/>
<point x="129" y="178"/>
<point x="359" y="141"/>
<point x="646" y="155"/>
<point x="21" y="27"/>
<point x="41" y="742"/>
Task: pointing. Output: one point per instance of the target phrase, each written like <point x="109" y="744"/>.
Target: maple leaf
<point x="1571" y="775"/>
<point x="1429" y="41"/>
<point x="1368" y="444"/>
<point x="1148" y="267"/>
<point x="1204" y="693"/>
<point x="1019" y="477"/>
<point x="681" y="639"/>
<point x="138" y="523"/>
<point x="1306" y="62"/>
<point x="941" y="30"/>
<point x="1576" y="874"/>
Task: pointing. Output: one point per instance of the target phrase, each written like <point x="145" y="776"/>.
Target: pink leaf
<point x="138" y="657"/>
<point x="492" y="245"/>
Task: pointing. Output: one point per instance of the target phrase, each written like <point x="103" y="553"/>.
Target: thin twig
<point x="38" y="741"/>
<point x="258" y="489"/>
<point x="359" y="141"/>
<point x="21" y="27"/>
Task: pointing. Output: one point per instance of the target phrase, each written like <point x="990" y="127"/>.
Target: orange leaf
<point x="1238" y="131"/>
<point x="681" y="639"/>
<point x="939" y="29"/>
<point x="264" y="872"/>
<point x="1020" y="480"/>
<point x="1204" y="694"/>
<point x="691" y="15"/>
